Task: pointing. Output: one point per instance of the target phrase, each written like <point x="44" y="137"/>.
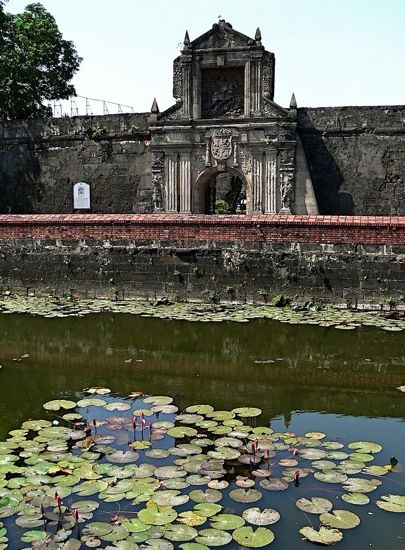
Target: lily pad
<point x="313" y="454"/>
<point x="193" y="546"/>
<point x="314" y="505"/>
<point x="324" y="536"/>
<point x="340" y="519"/>
<point x="247" y="412"/>
<point x="392" y="503"/>
<point x="199" y="409"/>
<point x="180" y="533"/>
<point x="315" y="435"/>
<point x="182" y="431"/>
<point x="117" y="406"/>
<point x="251" y="538"/>
<point x="191" y="518"/>
<point x="169" y="498"/>
<point x="213" y="537"/>
<point x="356" y="498"/>
<point x="57" y="405"/>
<point x="245" y="495"/>
<point x="97" y="528"/>
<point x="158" y="400"/>
<point x="123" y="457"/>
<point x="357" y="485"/>
<point x="32" y="536"/>
<point x="91" y="402"/>
<point x="331" y="476"/>
<point x="257" y="517"/>
<point x="118" y="532"/>
<point x="208" y="509"/>
<point x="365" y="447"/>
<point x="97" y="390"/>
<point x="227" y="522"/>
<point x="273" y="484"/>
<point x="209" y="495"/>
<point x="157" y="516"/>
<point x="157" y="544"/>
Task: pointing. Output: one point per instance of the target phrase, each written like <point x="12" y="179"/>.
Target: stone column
<point x="257" y="185"/>
<point x="256" y="75"/>
<point x="171" y="187"/>
<point x="270" y="191"/>
<point x="185" y="183"/>
<point x="187" y="85"/>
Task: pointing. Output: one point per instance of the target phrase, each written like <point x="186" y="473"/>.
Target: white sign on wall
<point x="81" y="196"/>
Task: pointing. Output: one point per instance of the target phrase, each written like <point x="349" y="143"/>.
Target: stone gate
<point x="225" y="121"/>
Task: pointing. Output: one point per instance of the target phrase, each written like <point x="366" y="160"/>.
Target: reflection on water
<point x="278" y="367"/>
<point x="303" y="378"/>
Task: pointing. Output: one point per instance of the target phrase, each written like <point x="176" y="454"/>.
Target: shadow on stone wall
<point x="20" y="180"/>
<point x="327" y="177"/>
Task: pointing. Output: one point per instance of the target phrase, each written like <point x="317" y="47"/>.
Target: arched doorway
<point x="221" y="192"/>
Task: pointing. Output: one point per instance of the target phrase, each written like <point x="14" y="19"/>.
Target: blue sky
<point x="329" y="52"/>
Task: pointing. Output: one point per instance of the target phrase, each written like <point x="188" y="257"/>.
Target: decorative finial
<point x="258" y="36"/>
<point x="186" y="41"/>
<point x="293" y="102"/>
<point x="154" y="109"/>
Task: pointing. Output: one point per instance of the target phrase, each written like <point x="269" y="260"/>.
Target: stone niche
<point x="224" y="121"/>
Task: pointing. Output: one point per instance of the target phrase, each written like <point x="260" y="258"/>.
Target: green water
<point x="304" y="378"/>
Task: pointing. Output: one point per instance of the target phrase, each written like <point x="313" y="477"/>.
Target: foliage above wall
<point x="36" y="63"/>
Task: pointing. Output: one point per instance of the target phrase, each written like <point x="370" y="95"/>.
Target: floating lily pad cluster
<point x="242" y="313"/>
<point x="135" y="473"/>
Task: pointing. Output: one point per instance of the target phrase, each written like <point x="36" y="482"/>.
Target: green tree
<point x="36" y="63"/>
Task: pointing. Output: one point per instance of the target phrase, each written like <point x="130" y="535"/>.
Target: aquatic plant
<point x="170" y="474"/>
<point x="328" y="317"/>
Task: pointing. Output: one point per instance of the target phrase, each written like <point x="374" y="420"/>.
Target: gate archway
<point x="211" y="198"/>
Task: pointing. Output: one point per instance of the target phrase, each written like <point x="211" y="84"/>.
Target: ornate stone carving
<point x="222" y="35"/>
<point x="268" y="75"/>
<point x="271" y="109"/>
<point x="177" y="80"/>
<point x="287" y="187"/>
<point x="221" y="144"/>
<point x="206" y="157"/>
<point x="158" y="183"/>
<point x="246" y="161"/>
<point x="222" y="92"/>
<point x="158" y="160"/>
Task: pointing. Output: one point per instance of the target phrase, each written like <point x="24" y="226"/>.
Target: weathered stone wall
<point x="207" y="258"/>
<point x="40" y="163"/>
<point x="356" y="157"/>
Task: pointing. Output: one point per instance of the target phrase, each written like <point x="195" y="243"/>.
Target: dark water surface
<point x="308" y="378"/>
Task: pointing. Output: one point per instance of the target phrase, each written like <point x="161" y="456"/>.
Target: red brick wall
<point x="162" y="227"/>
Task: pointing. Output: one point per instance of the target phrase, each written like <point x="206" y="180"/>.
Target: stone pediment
<point x="271" y="109"/>
<point x="222" y="36"/>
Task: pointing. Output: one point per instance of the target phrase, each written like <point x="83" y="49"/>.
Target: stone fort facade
<point x="224" y="138"/>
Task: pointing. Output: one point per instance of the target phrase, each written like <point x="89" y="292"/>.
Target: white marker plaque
<point x="81" y="196"/>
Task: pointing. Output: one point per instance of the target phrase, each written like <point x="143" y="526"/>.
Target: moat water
<point x="304" y="378"/>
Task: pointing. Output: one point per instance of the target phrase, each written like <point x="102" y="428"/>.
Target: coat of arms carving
<point x="221" y="144"/>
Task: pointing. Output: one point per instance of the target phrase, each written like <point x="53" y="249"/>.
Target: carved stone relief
<point x="246" y="161"/>
<point x="222" y="92"/>
<point x="221" y="144"/>
<point x="158" y="160"/>
<point x="223" y="37"/>
<point x="158" y="179"/>
<point x="157" y="192"/>
<point x="177" y="79"/>
<point x="267" y="75"/>
<point x="287" y="177"/>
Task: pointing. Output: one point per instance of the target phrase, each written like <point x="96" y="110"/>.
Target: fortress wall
<point x="41" y="161"/>
<point x="230" y="258"/>
<point x="356" y="157"/>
